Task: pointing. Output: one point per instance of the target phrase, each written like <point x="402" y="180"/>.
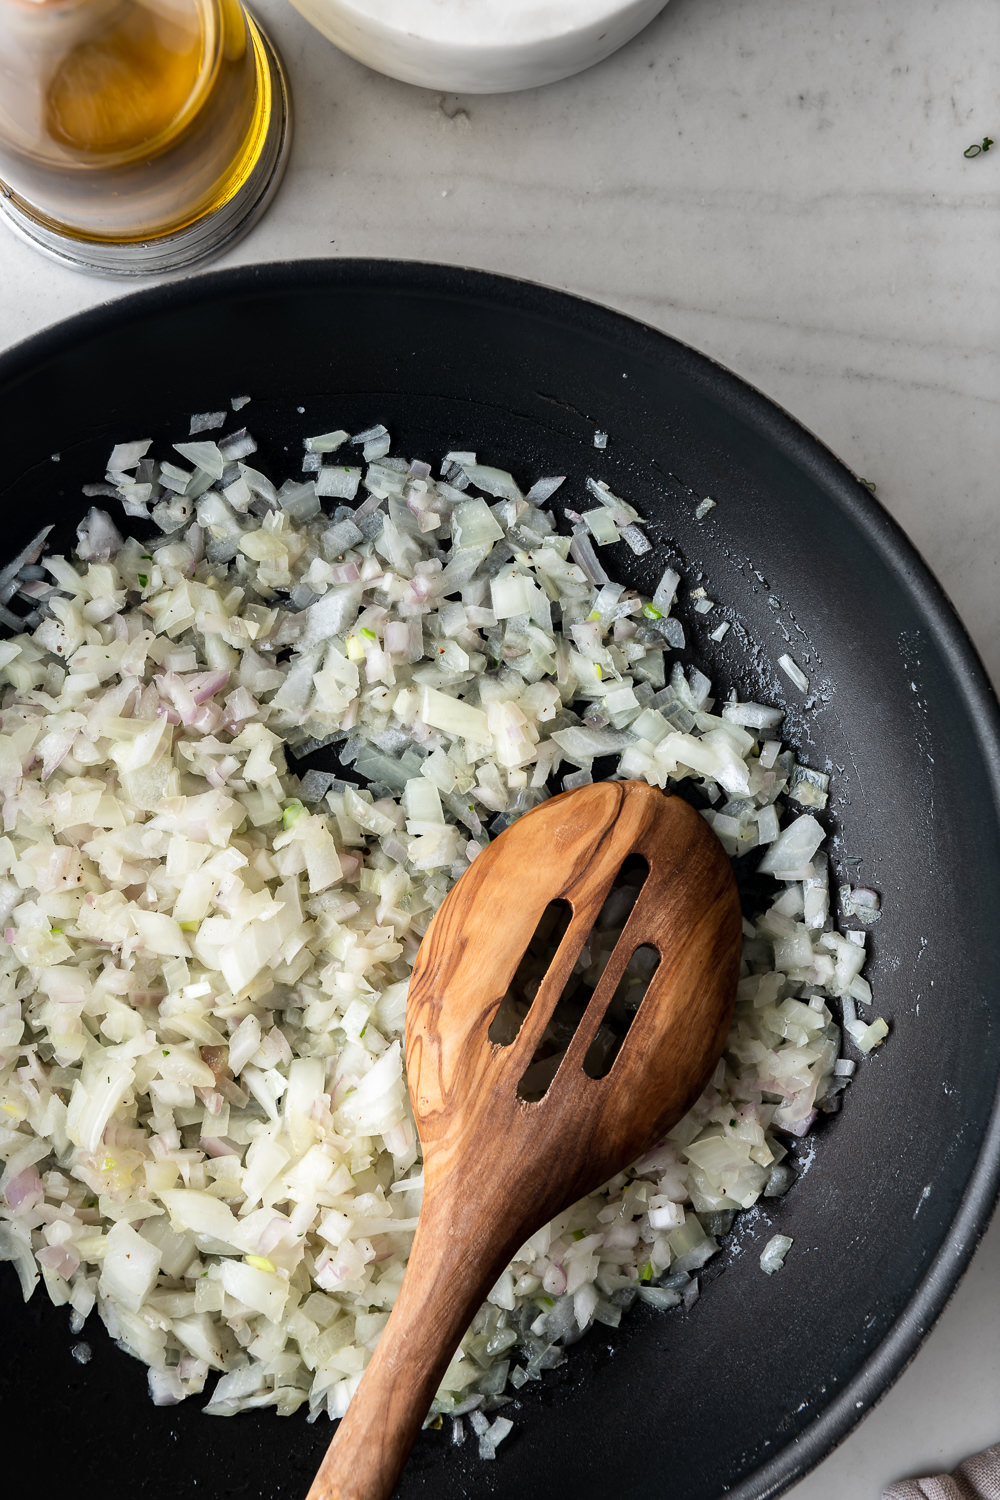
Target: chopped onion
<point x="327" y="442"/>
<point x="601" y="525"/>
<point x="205" y="455"/>
<point x="28" y="555"/>
<point x="203" y="421"/>
<point x="127" y="455"/>
<point x="636" y="539"/>
<point x="213" y="950"/>
<point x="581" y="550"/>
<point x="666" y="590"/>
<point x="543" y="489"/>
<point x="794" y="672"/>
<point x="772" y="1257"/>
<point x="97" y="537"/>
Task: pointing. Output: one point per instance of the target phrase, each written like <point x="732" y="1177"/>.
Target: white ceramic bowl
<point x="479" y="46"/>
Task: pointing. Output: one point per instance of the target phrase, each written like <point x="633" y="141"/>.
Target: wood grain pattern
<point x="496" y="1167"/>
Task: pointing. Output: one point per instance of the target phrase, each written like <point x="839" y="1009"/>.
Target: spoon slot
<point x="596" y="948"/>
<point x="622" y="1010"/>
<point x="534" y="965"/>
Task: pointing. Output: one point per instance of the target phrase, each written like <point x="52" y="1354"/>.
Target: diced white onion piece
<point x="601" y="525"/>
<point x="127" y="455"/>
<point x="262" y="1291"/>
<point x="129" y="1267"/>
<point x="326" y="442"/>
<point x="666" y="590"/>
<point x="496" y="482"/>
<point x="794" y="672"/>
<point x="543" y="489"/>
<point x="98" y="538"/>
<point x="790" y="854"/>
<point x="202" y="421"/>
<point x="753" y="715"/>
<point x="772" y="1257"/>
<point x="473" y="525"/>
<point x="204" y="455"/>
<point x="636" y="539"/>
<point x="454" y="716"/>
<point x="581" y="550"/>
<point x="337" y="483"/>
<point x="237" y="445"/>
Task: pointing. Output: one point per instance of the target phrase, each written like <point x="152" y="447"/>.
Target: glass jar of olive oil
<point x="137" y="135"/>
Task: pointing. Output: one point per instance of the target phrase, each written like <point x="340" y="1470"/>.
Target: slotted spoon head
<point x="464" y="1087"/>
<point x="496" y="1166"/>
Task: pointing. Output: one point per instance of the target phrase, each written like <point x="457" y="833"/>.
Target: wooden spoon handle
<point x="446" y="1280"/>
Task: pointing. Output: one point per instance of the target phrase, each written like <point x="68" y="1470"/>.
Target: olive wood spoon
<point x="497" y="1168"/>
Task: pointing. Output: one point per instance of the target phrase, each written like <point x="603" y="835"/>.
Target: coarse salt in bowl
<point x="479" y="46"/>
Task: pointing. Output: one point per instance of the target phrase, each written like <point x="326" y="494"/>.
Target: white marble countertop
<point x="784" y="187"/>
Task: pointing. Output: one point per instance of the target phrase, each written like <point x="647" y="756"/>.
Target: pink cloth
<point x="977" y="1479"/>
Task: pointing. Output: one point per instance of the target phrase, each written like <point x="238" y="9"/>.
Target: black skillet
<point x="744" y="1393"/>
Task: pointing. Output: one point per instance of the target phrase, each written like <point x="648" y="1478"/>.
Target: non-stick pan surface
<point x="745" y="1392"/>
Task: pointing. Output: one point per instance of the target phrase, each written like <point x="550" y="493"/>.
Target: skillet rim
<point x="775" y="426"/>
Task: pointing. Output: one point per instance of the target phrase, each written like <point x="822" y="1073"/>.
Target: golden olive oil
<point x="124" y="120"/>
